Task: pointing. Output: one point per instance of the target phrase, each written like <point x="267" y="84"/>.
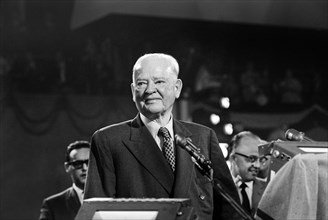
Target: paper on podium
<point x="120" y="215"/>
<point x="136" y="209"/>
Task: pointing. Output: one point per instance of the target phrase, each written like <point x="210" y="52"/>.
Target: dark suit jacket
<point x="62" y="206"/>
<point x="258" y="189"/>
<point x="125" y="162"/>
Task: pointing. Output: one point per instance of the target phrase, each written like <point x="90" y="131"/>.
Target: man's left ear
<point x="66" y="167"/>
<point x="178" y="88"/>
<point x="132" y="91"/>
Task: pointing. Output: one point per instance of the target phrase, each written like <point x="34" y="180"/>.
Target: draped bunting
<point x="269" y="125"/>
<point x="313" y="121"/>
<point x="34" y="133"/>
<point x="273" y="120"/>
<point x="37" y="114"/>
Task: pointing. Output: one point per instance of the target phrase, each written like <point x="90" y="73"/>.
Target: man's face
<point x="155" y="88"/>
<point x="243" y="166"/>
<point x="265" y="167"/>
<point x="78" y="166"/>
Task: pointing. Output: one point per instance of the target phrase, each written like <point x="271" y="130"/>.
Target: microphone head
<point x="182" y="142"/>
<point x="294" y="135"/>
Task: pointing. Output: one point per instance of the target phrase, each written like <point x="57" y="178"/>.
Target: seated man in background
<point x="264" y="172"/>
<point x="245" y="167"/>
<point x="66" y="204"/>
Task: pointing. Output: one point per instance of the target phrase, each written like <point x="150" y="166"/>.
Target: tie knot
<point x="243" y="185"/>
<point x="164" y="132"/>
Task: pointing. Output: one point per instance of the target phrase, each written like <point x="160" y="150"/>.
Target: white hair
<point x="171" y="59"/>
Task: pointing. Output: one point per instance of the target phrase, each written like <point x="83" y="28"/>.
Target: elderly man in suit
<point x="245" y="167"/>
<point x="138" y="158"/>
<point x="66" y="204"/>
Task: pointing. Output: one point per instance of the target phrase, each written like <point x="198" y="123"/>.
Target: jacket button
<point x="202" y="197"/>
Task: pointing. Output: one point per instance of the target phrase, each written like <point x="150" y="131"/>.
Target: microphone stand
<point x="204" y="166"/>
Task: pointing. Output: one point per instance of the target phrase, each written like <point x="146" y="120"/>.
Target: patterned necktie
<point x="167" y="147"/>
<point x="245" y="202"/>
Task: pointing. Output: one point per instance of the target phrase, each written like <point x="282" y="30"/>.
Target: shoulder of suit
<point x="259" y="182"/>
<point x="115" y="127"/>
<point x="59" y="195"/>
<point x="193" y="125"/>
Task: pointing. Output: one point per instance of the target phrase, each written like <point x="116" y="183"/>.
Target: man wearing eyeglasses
<point x="245" y="167"/>
<point x="65" y="205"/>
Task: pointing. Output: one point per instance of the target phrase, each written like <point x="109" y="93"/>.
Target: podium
<point x="136" y="209"/>
<point x="298" y="191"/>
<point x="299" y="188"/>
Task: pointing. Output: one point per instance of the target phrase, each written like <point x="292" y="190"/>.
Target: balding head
<point x="159" y="58"/>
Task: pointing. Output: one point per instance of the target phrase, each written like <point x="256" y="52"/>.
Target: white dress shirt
<point x="153" y="128"/>
<point x="248" y="189"/>
<point x="79" y="192"/>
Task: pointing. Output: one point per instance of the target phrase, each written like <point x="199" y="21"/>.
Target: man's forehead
<point x="78" y="152"/>
<point x="248" y="144"/>
<point x="154" y="62"/>
<point x="154" y="69"/>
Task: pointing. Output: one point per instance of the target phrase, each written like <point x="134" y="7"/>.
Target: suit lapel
<point x="184" y="165"/>
<point x="143" y="146"/>
<point x="73" y="200"/>
<point x="258" y="189"/>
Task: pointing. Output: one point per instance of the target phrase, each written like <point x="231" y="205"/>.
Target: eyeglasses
<point x="253" y="158"/>
<point x="78" y="164"/>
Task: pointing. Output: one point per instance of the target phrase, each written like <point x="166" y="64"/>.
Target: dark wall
<point x="34" y="133"/>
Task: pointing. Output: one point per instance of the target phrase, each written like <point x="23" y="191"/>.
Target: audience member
<point x="245" y="166"/>
<point x="65" y="205"/>
<point x="205" y="79"/>
<point x="126" y="159"/>
<point x="249" y="83"/>
<point x="291" y="88"/>
<point x="207" y="85"/>
<point x="264" y="171"/>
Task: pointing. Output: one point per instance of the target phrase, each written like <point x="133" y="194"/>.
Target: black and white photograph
<point x="163" y="110"/>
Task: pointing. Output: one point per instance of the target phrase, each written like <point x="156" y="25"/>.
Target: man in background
<point x="65" y="205"/>
<point x="245" y="165"/>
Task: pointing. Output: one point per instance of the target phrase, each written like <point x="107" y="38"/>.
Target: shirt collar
<point x="153" y="126"/>
<point x="79" y="192"/>
<point x="238" y="181"/>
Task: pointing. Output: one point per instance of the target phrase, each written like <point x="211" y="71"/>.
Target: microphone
<point x="294" y="135"/>
<point x="205" y="168"/>
<point x="199" y="159"/>
<point x="184" y="142"/>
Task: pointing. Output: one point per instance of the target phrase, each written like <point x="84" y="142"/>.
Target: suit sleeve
<point x="222" y="208"/>
<point x="45" y="212"/>
<point x="101" y="174"/>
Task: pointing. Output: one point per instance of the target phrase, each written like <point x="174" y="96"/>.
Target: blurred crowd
<point x="45" y="56"/>
<point x="93" y="72"/>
